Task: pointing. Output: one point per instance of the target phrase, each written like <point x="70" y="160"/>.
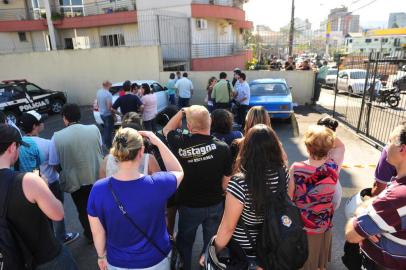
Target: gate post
<point x="372" y="94"/>
<point x="364" y="93"/>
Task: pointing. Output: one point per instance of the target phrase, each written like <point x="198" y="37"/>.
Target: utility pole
<point x="292" y="29"/>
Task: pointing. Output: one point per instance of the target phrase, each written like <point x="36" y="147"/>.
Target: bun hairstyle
<point x="329" y="122"/>
<point x="126" y="144"/>
<point x="319" y="140"/>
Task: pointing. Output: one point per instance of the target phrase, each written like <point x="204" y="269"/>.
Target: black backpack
<point x="13" y="253"/>
<point x="282" y="241"/>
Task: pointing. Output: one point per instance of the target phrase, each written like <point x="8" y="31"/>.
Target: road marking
<point x="359" y="166"/>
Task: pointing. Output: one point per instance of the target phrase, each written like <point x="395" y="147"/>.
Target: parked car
<point x="331" y="77"/>
<point x="353" y="81"/>
<point x="158" y="90"/>
<point x="400" y="83"/>
<point x="274" y="95"/>
<point x="18" y="96"/>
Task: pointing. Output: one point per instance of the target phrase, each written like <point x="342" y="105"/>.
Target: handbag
<point x="174" y="259"/>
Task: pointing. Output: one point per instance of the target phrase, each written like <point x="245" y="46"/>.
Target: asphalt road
<point x="381" y="120"/>
<point x="357" y="174"/>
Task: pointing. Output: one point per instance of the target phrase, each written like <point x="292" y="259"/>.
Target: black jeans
<point x="183" y="102"/>
<point x="241" y="114"/>
<point x="317" y="89"/>
<point x="80" y="198"/>
<point x="150" y="125"/>
<point x="219" y="105"/>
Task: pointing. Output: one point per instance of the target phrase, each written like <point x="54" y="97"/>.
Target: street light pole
<point x="292" y="29"/>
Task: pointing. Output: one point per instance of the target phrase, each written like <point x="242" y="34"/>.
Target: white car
<point x="331" y="77"/>
<point x="158" y="90"/>
<point x="353" y="81"/>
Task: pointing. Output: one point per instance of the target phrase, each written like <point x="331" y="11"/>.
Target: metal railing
<point x="98" y="7"/>
<point x="369" y="94"/>
<point x="17" y="14"/>
<point x="206" y="50"/>
<point x="228" y="3"/>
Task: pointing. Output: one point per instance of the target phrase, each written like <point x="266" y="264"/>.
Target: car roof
<point x="139" y="82"/>
<point x="354" y="70"/>
<point x="268" y="80"/>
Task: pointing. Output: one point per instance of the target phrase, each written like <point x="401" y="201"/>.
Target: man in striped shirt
<point x="380" y="223"/>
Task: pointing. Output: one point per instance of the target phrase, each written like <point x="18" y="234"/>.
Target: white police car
<point x="18" y="96"/>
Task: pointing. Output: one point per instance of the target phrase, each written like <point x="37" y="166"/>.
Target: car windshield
<point x="269" y="89"/>
<point x="332" y="72"/>
<point x="358" y="75"/>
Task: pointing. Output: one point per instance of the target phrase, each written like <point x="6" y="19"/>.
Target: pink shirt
<point x="150" y="107"/>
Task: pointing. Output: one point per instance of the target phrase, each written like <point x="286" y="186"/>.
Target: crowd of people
<point x="187" y="161"/>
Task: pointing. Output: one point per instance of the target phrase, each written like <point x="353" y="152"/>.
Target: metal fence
<point x="369" y="93"/>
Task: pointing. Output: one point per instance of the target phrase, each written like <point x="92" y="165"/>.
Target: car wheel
<point x="393" y="101"/>
<point x="12" y="116"/>
<point x="56" y="106"/>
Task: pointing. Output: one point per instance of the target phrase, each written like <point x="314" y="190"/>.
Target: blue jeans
<point x="64" y="261"/>
<point x="108" y="127"/>
<point x="172" y="99"/>
<point x="183" y="102"/>
<point x="189" y="221"/>
<point x="59" y="226"/>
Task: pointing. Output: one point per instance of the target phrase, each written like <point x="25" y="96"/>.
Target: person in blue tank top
<point x="140" y="240"/>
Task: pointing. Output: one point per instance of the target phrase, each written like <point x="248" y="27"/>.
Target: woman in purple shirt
<point x="120" y="241"/>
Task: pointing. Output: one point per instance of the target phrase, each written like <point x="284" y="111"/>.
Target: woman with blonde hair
<point x="256" y="115"/>
<point x="127" y="210"/>
<point x="312" y="187"/>
<point x="210" y="84"/>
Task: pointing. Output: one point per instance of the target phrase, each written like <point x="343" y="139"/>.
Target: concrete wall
<point x="302" y="82"/>
<point x="81" y="72"/>
<point x="10" y="42"/>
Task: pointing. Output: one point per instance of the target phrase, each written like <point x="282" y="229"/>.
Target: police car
<point x="18" y="96"/>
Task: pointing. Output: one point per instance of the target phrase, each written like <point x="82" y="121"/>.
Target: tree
<point x="395" y="25"/>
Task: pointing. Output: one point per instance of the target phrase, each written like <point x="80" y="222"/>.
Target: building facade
<point x="397" y="20"/>
<point x="193" y="34"/>
<point x="390" y="42"/>
<point x="342" y="20"/>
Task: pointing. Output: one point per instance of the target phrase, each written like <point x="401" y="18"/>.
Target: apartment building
<point x="193" y="34"/>
<point x="390" y="41"/>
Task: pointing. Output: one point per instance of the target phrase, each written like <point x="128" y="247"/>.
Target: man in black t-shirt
<point x="129" y="102"/>
<point x="206" y="162"/>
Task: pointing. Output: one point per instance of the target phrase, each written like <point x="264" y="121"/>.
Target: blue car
<point x="274" y="95"/>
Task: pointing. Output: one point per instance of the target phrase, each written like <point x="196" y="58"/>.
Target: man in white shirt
<point x="184" y="88"/>
<point x="242" y="98"/>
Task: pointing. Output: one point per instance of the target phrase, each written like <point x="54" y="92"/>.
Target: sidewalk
<point x="355" y="175"/>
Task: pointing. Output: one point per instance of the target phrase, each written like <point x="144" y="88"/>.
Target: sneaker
<point x="70" y="237"/>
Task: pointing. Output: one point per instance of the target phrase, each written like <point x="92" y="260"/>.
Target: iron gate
<point x="369" y="93"/>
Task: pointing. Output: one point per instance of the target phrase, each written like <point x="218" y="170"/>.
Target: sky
<point x="276" y="13"/>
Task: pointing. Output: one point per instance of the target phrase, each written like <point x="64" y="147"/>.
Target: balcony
<point x="206" y="50"/>
<point x="96" y="8"/>
<point x="228" y="3"/>
<point x="221" y="9"/>
<point x="19" y="14"/>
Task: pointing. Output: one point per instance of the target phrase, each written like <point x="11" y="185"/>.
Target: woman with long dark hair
<point x="256" y="172"/>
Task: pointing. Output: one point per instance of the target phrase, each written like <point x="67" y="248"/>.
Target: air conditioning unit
<point x="201" y="24"/>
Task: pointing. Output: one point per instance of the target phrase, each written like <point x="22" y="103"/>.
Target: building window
<point x="396" y="42"/>
<point x="384" y="40"/>
<point x="350" y="40"/>
<point x="375" y="39"/>
<point x="71" y="8"/>
<point x="114" y="40"/>
<point x="22" y="37"/>
<point x="368" y="40"/>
